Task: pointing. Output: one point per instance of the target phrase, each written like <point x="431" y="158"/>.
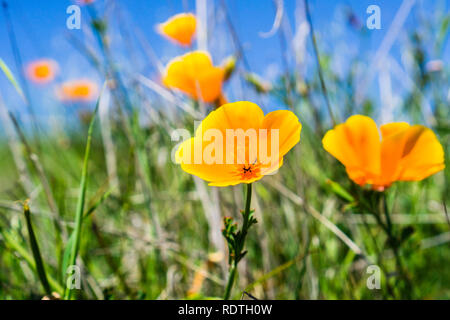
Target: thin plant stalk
<point x="319" y="67"/>
<point x="81" y="199"/>
<point x="378" y="210"/>
<point x="238" y="243"/>
<point x="19" y="66"/>
<point x="15" y="246"/>
<point x="40" y="269"/>
<point x="394" y="244"/>
<point x="131" y="126"/>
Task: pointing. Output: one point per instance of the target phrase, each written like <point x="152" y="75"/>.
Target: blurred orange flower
<point x="404" y="152"/>
<point x="82" y="2"/>
<point x="42" y="71"/>
<point x="179" y="28"/>
<point x="195" y="75"/>
<point x="236" y="144"/>
<point x="78" y="91"/>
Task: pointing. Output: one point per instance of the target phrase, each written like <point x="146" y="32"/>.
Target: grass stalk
<point x="81" y="199"/>
<point x="40" y="269"/>
<point x="319" y="67"/>
<point x="15" y="245"/>
<point x="20" y="68"/>
<point x="394" y="243"/>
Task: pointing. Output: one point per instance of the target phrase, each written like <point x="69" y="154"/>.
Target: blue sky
<point x="41" y="31"/>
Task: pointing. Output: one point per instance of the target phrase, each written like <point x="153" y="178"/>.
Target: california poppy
<point x="402" y="153"/>
<point x="78" y="91"/>
<point x="236" y="144"/>
<point x="179" y="28"/>
<point x="195" y="75"/>
<point x="42" y="71"/>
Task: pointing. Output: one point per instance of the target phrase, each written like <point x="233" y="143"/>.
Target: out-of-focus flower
<point x="403" y="153"/>
<point x="434" y="66"/>
<point x="258" y="83"/>
<point x="236" y="144"/>
<point x="352" y="19"/>
<point x="42" y="71"/>
<point x="78" y="91"/>
<point x="200" y="274"/>
<point x="179" y="28"/>
<point x="228" y="65"/>
<point x="84" y="2"/>
<point x="195" y="75"/>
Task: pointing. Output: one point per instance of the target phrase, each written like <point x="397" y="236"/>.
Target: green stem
<point x="241" y="241"/>
<point x="40" y="269"/>
<point x="246" y="215"/>
<point x="231" y="277"/>
<point x="81" y="198"/>
<point x="394" y="244"/>
<point x="387" y="215"/>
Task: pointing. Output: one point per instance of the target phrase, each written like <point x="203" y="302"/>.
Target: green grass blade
<point x="74" y="245"/>
<point x="40" y="268"/>
<point x="71" y="240"/>
<point x="340" y="191"/>
<point x="15" y="245"/>
<point x="11" y="78"/>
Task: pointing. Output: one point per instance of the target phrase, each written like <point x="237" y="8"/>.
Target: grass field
<point x="104" y="193"/>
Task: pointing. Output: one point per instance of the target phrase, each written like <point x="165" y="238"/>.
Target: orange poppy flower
<point x="195" y="75"/>
<point x="42" y="71"/>
<point x="236" y="144"/>
<point x="403" y="153"/>
<point x="179" y="28"/>
<point x="78" y="91"/>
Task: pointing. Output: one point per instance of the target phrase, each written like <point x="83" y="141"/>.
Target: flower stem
<point x="239" y="243"/>
<point x="395" y="246"/>
<point x="246" y="214"/>
<point x="230" y="282"/>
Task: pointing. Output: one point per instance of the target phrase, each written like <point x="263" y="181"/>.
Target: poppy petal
<point x="195" y="75"/>
<point x="393" y="128"/>
<point x="356" y="144"/>
<point x="288" y="126"/>
<point x="180" y="28"/>
<point x="237" y="115"/>
<point x="422" y="155"/>
<point x="196" y="164"/>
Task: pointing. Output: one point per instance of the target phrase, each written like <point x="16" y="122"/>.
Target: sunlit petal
<point x="195" y="75"/>
<point x="356" y="144"/>
<point x="288" y="127"/>
<point x="179" y="28"/>
<point x="422" y="155"/>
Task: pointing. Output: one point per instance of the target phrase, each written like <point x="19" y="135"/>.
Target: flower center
<point x="249" y="171"/>
<point x="81" y="90"/>
<point x="42" y="71"/>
